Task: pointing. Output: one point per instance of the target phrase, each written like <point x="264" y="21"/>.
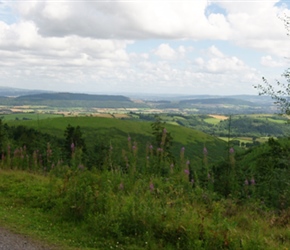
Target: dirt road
<point x="13" y="241"/>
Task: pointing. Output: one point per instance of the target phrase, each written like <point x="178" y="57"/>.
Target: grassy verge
<point x="108" y="210"/>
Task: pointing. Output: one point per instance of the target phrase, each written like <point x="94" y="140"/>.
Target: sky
<point x="189" y="47"/>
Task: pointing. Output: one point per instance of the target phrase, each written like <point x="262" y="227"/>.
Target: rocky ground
<point x="13" y="241"/>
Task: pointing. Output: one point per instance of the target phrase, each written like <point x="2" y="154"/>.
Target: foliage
<point x="73" y="142"/>
<point x="163" y="140"/>
<point x="279" y="93"/>
<point x="149" y="203"/>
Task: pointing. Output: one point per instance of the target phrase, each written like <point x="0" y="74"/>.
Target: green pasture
<point x="212" y="120"/>
<point x="30" y="116"/>
<point x="241" y="139"/>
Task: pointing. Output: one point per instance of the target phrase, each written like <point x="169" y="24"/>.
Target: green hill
<point x="73" y="96"/>
<point x="115" y="132"/>
<point x="69" y="100"/>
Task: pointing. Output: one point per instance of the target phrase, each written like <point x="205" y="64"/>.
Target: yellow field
<point x="220" y="117"/>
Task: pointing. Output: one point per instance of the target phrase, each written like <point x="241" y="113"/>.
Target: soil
<point x="13" y="241"/>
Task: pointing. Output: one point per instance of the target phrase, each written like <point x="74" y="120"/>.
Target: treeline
<point x="46" y="150"/>
<point x="240" y="126"/>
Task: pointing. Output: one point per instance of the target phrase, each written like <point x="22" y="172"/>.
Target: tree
<point x="163" y="139"/>
<point x="73" y="140"/>
<point x="281" y="92"/>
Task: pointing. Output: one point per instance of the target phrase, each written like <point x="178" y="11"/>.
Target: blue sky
<point x="169" y="47"/>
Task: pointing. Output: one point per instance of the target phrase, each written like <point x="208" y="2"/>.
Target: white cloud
<point x="164" y="51"/>
<point x="268" y="61"/>
<point x="85" y="43"/>
<point x="125" y="20"/>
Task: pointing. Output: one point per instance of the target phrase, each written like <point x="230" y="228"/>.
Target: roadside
<point x="13" y="241"/>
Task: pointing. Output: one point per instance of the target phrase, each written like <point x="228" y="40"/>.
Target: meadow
<point x="151" y="190"/>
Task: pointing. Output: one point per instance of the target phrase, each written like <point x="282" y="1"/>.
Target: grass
<point x="212" y="120"/>
<point x="172" y="216"/>
<point x="30" y="116"/>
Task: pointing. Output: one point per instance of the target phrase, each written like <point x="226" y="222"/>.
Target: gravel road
<point x="13" y="241"/>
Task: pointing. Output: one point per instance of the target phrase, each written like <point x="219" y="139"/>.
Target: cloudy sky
<point x="137" y="46"/>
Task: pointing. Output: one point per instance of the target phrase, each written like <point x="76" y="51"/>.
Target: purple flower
<point x="253" y="181"/>
<point x="232" y="151"/>
<point x="246" y="182"/>
<point x="159" y="149"/>
<point x="150" y="147"/>
<point x="192" y="181"/>
<point x="129" y="138"/>
<point x="72" y="146"/>
<point x="205" y="151"/>
<point x="187" y="162"/>
<point x="186" y="171"/>
<point x="182" y="149"/>
<point x="151" y="186"/>
<point x="134" y="147"/>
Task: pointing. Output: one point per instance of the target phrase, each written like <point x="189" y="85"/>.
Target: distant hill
<point x="73" y="96"/>
<point x="8" y="91"/>
<point x="72" y="100"/>
<point x="224" y="101"/>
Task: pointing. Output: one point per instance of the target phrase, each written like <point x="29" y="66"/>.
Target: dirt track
<point x="13" y="241"/>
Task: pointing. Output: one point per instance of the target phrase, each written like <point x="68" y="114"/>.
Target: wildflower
<point x="208" y="175"/>
<point x="151" y="186"/>
<point x="192" y="181"/>
<point x="164" y="131"/>
<point x="150" y="147"/>
<point x="186" y="171"/>
<point x="232" y="151"/>
<point x="253" y="181"/>
<point x="134" y="147"/>
<point x="171" y="165"/>
<point x="121" y="186"/>
<point x="159" y="149"/>
<point x="187" y="162"/>
<point x="72" y="146"/>
<point x="129" y="138"/>
<point x="205" y="151"/>
<point x="246" y="182"/>
<point x="182" y="149"/>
